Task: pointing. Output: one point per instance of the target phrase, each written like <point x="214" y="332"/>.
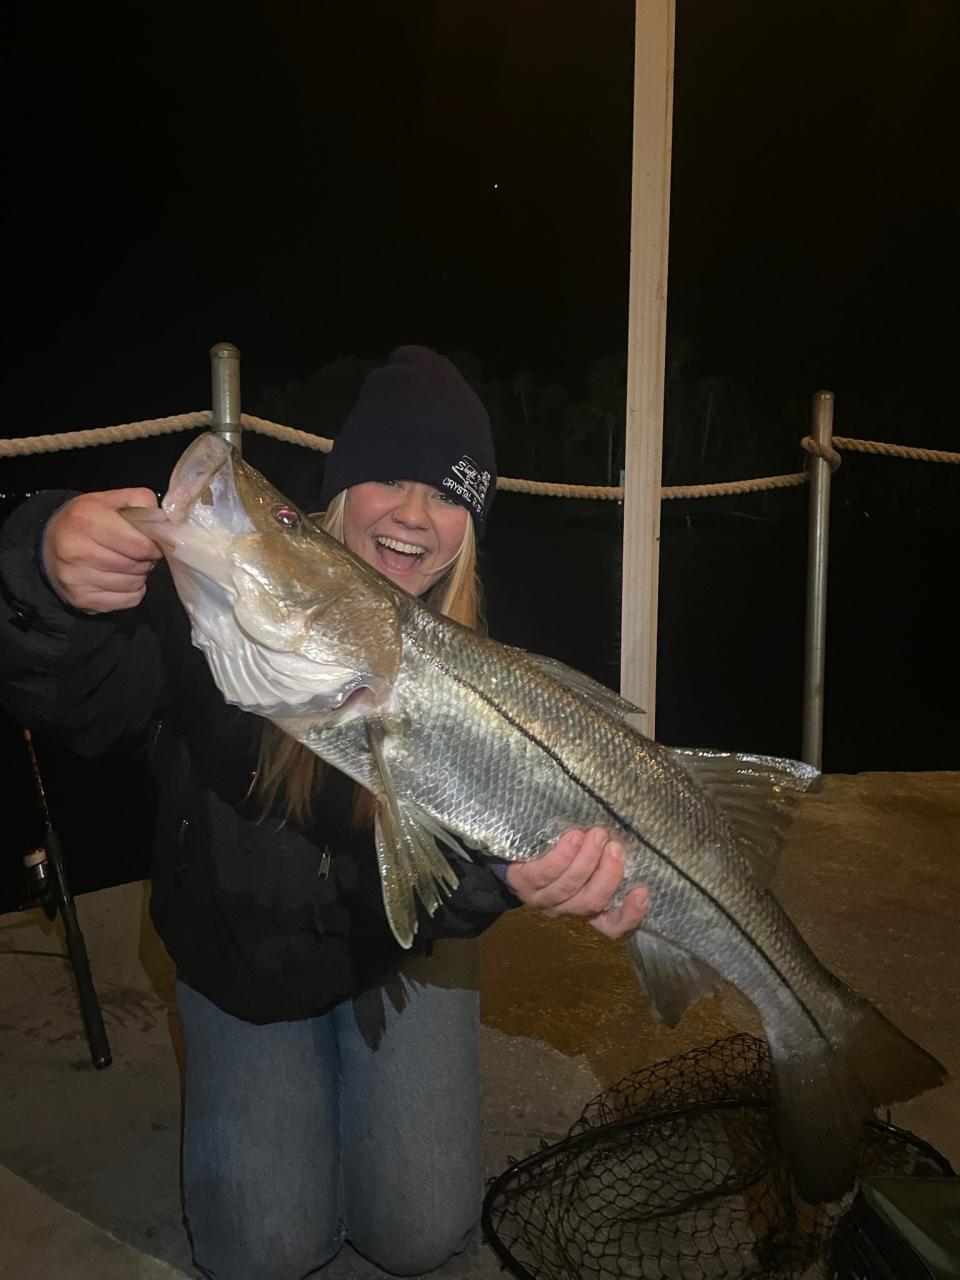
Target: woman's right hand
<point x="95" y="559"/>
<point x="579" y="876"/>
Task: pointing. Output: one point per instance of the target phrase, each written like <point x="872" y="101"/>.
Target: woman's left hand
<point x="578" y="877"/>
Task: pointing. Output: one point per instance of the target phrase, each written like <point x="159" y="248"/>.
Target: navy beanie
<point x="417" y="419"/>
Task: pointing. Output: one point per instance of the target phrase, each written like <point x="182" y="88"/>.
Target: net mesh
<point x="674" y="1174"/>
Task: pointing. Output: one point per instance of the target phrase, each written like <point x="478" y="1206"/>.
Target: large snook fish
<point x="497" y="752"/>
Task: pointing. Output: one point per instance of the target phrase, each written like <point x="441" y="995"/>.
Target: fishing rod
<point x="48" y="889"/>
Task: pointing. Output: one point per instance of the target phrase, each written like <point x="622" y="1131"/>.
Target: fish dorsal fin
<point x="756" y="794"/>
<point x="672" y="978"/>
<point x="410" y="864"/>
<point x="596" y="693"/>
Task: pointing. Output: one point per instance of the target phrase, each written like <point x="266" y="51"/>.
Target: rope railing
<point x="823" y="451"/>
<point x="94" y="436"/>
<point x="91" y="438"/>
<point x="895" y="450"/>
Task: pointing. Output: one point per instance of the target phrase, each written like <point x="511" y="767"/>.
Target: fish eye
<point x="286" y="516"/>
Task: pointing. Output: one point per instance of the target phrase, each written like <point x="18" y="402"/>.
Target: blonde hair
<point x="288" y="773"/>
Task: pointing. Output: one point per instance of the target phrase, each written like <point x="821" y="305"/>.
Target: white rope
<point x="896" y="450"/>
<point x="290" y="434"/>
<point x="103" y="435"/>
<point x="611" y="493"/>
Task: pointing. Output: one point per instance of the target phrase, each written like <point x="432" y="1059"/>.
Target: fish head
<point x="291" y="622"/>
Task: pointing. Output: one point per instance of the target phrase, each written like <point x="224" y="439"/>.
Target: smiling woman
<point x="412" y="461"/>
<point x="300" y="1094"/>
<point x="411" y="532"/>
<point x="418" y="419"/>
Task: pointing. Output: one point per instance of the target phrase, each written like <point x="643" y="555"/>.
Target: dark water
<point x="731" y="621"/>
<point x="730" y="649"/>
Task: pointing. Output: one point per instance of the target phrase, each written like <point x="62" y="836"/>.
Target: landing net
<point x="674" y="1174"/>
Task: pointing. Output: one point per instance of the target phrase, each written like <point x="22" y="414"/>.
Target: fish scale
<point x="463" y="744"/>
<point x="498" y="752"/>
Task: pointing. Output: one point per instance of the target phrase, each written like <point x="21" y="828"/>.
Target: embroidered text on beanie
<point x="416" y="418"/>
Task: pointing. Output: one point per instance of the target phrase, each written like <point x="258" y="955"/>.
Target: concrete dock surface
<point x="870" y="872"/>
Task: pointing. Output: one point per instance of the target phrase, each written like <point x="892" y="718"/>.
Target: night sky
<point x="321" y="181"/>
<point x="313" y="180"/>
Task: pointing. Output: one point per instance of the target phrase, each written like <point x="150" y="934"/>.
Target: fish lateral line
<point x="625" y="823"/>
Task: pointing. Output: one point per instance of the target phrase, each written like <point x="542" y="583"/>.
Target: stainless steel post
<point x="225" y="372"/>
<point x="818" y="532"/>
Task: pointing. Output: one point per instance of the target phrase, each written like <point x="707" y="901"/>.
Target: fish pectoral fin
<point x="672" y="977"/>
<point x="756" y="795"/>
<point x="410" y="864"/>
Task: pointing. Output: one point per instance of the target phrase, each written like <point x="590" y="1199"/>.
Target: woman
<point x="307" y="1120"/>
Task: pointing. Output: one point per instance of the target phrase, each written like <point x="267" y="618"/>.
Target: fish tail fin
<point x="893" y="1067"/>
<point x="831" y="1077"/>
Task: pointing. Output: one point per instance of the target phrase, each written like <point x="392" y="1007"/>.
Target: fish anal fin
<point x="672" y="977"/>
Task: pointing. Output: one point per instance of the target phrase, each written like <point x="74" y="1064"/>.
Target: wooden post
<point x="649" y="237"/>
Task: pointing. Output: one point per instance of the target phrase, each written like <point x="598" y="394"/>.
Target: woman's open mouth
<point x="400" y="557"/>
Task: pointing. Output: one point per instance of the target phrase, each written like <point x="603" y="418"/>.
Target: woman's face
<point x="408" y="530"/>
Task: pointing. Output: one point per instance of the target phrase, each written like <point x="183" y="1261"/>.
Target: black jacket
<point x="268" y="920"/>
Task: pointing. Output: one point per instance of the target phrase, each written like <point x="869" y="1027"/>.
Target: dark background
<point x="319" y="182"/>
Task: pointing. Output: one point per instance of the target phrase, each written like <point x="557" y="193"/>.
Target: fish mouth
<point x="201" y="511"/>
<point x="202" y="486"/>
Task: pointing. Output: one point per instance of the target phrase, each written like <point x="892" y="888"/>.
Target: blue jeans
<point x="300" y="1135"/>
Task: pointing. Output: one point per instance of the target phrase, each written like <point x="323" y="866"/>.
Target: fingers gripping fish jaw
<point x="269" y="595"/>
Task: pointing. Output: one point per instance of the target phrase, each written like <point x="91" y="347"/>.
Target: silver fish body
<point x="497" y="752"/>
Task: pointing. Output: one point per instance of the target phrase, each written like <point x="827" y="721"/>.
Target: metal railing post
<point x="225" y="374"/>
<point x="818" y="533"/>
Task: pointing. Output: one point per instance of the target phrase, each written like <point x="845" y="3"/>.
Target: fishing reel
<point x="41" y="884"/>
